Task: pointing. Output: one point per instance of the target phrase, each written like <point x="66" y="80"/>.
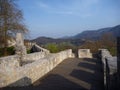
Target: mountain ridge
<point x="96" y="34"/>
<point x="80" y="38"/>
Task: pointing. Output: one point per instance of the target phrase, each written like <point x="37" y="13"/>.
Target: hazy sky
<point x="57" y="18"/>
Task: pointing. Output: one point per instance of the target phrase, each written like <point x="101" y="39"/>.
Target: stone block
<point x="84" y="53"/>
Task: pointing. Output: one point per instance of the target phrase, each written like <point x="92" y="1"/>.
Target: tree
<point x="11" y="21"/>
<point x="52" y="47"/>
<point x="108" y="40"/>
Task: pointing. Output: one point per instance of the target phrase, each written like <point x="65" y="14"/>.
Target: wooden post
<point x="118" y="61"/>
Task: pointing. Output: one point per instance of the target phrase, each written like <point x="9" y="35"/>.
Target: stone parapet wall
<point x="110" y="69"/>
<point x="29" y="73"/>
<point x="34" y="56"/>
<point x="37" y="48"/>
<point x="14" y="60"/>
<point x="10" y="62"/>
<point x="84" y="53"/>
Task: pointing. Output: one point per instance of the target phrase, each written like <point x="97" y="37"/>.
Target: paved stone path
<point x="72" y="74"/>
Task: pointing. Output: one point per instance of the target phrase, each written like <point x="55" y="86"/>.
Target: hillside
<point x="46" y="40"/>
<point x="81" y="37"/>
<point x="96" y="34"/>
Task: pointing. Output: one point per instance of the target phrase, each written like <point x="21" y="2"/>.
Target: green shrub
<point x="52" y="47"/>
<point x="28" y="51"/>
<point x="113" y="51"/>
<point x="11" y="50"/>
<point x="1" y="52"/>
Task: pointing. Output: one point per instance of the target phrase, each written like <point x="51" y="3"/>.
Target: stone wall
<point x="33" y="57"/>
<point x="14" y="60"/>
<point x="9" y="62"/>
<point x="110" y="69"/>
<point x="29" y="73"/>
<point x="84" y="53"/>
<point x="37" y="48"/>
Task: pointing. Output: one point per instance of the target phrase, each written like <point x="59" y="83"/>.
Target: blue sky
<point x="58" y="18"/>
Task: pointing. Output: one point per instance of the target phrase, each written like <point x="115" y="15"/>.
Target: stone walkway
<point x="72" y="74"/>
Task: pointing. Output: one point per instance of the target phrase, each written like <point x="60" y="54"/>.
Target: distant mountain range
<point x="96" y="34"/>
<point x="81" y="37"/>
<point x="46" y="40"/>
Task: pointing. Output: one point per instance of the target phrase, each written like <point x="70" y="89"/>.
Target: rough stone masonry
<point x="20" y="48"/>
<point x="27" y="74"/>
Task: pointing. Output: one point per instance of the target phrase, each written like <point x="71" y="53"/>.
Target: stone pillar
<point x="20" y="48"/>
<point x="84" y="53"/>
<point x="118" y="61"/>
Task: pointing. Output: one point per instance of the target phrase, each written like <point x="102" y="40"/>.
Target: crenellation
<point x="84" y="53"/>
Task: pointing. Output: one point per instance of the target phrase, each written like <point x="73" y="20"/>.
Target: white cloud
<point x="80" y="8"/>
<point x="42" y="5"/>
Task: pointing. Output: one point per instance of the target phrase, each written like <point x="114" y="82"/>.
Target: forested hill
<point x="96" y="34"/>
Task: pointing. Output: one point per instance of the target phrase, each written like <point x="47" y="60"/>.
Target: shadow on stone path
<point x="71" y="74"/>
